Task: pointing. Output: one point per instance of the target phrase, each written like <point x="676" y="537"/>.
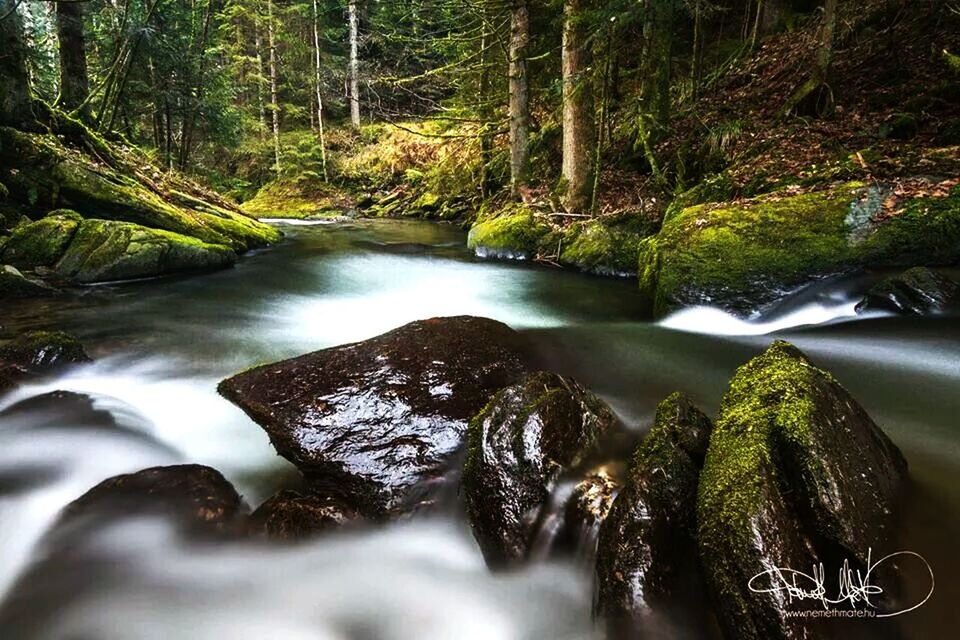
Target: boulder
<point x="37" y="353"/>
<point x="587" y="508"/>
<point x="648" y="579"/>
<point x="796" y="474"/>
<point x="378" y="424"/>
<point x="518" y="446"/>
<point x="103" y="250"/>
<point x="917" y="291"/>
<point x="515" y="234"/>
<point x="194" y="496"/>
<point x="290" y="515"/>
<point x="41" y="243"/>
<point x="607" y="245"/>
<point x="743" y="255"/>
<point x="14" y="285"/>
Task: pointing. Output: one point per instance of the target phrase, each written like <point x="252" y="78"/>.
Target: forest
<point x="519" y="319"/>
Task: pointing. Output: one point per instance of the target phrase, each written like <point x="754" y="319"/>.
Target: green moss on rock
<point x="104" y="250"/>
<point x="796" y="473"/>
<point x="606" y="246"/>
<point x="42" y="351"/>
<point x="517" y="233"/>
<point x="41" y="243"/>
<point x="741" y="256"/>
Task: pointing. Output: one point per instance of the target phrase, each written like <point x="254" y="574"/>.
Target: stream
<point x="160" y="347"/>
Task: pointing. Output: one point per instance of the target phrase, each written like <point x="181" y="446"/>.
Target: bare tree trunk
<point x="16" y="106"/>
<point x="773" y="15"/>
<point x="274" y="105"/>
<point x="261" y="103"/>
<point x="74" y="82"/>
<point x="578" y="127"/>
<point x="815" y="96"/>
<point x="519" y="96"/>
<point x="486" y="113"/>
<point x="354" y="65"/>
<point x="317" y="87"/>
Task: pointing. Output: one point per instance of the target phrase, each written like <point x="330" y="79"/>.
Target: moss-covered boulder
<point x="515" y="234"/>
<point x="14" y="285"/>
<point x="379" y="424"/>
<point x="290" y="515"/>
<point x="606" y="245"/>
<point x="41" y="243"/>
<point x="796" y="474"/>
<point x="647" y="571"/>
<point x="743" y="255"/>
<point x="517" y="447"/>
<point x="917" y="291"/>
<point x="37" y="353"/>
<point x="104" y="250"/>
<point x="42" y="173"/>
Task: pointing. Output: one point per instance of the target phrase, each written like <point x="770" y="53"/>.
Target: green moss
<point x="40" y="171"/>
<point x="606" y="246"/>
<point x="517" y="233"/>
<point x="41" y="243"/>
<point x="284" y="199"/>
<point x="103" y="250"/>
<point x="4" y="192"/>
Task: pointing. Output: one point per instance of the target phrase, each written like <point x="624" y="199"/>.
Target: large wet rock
<point x="518" y="446"/>
<point x="191" y="495"/>
<point x="796" y="474"/>
<point x="290" y="515"/>
<point x="379" y="423"/>
<point x="743" y="255"/>
<point x="102" y="250"/>
<point x="918" y="291"/>
<point x="648" y="579"/>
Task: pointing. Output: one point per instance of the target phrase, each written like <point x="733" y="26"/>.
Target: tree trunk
<point x="519" y="96"/>
<point x="16" y="106"/>
<point x="578" y="128"/>
<point x="261" y="102"/>
<point x="774" y="12"/>
<point x="317" y="87"/>
<point x="485" y="110"/>
<point x="274" y="105"/>
<point x="74" y="82"/>
<point x="354" y="65"/>
<point x="815" y="96"/>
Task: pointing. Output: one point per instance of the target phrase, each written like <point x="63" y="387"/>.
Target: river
<point x="160" y="347"/>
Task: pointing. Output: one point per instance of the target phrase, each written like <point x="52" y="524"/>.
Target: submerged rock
<point x="648" y="578"/>
<point x="378" y="424"/>
<point x="14" y="285"/>
<point x="743" y="255"/>
<point x="796" y="474"/>
<point x="295" y="516"/>
<point x="103" y="250"/>
<point x="41" y="243"/>
<point x="517" y="448"/>
<point x="917" y="291"/>
<point x="192" y="495"/>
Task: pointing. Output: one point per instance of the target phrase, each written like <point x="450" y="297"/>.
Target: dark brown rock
<point x="518" y="447"/>
<point x="648" y="580"/>
<point x="14" y="285"/>
<point x="378" y="424"/>
<point x="37" y="353"/>
<point x="917" y="291"/>
<point x="295" y="516"/>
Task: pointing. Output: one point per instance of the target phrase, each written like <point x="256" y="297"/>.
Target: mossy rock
<point x="796" y="474"/>
<point x="606" y="246"/>
<point x="741" y="256"/>
<point x="41" y="173"/>
<point x="41" y="243"/>
<point x="43" y="351"/>
<point x="647" y="573"/>
<point x="517" y="447"/>
<point x="104" y="250"/>
<point x="283" y="199"/>
<point x="515" y="234"/>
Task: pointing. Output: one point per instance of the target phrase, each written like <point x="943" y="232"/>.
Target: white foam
<point x="713" y="321"/>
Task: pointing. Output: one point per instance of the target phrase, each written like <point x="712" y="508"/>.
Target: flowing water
<point x="161" y="347"/>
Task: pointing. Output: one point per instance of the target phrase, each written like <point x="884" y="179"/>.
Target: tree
<point x="354" y="64"/>
<point x="317" y="86"/>
<point x="519" y="95"/>
<point x="16" y="104"/>
<point x="274" y="104"/>
<point x="74" y="82"/>
<point x="578" y="125"/>
<point x="815" y="96"/>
